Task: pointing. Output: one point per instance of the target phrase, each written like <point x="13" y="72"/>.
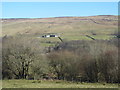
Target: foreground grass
<point x="52" y="84"/>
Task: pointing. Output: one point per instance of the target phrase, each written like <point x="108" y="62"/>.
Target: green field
<point x="66" y="26"/>
<point x="53" y="84"/>
<point x="69" y="28"/>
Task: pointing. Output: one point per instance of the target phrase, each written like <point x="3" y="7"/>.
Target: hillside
<point x="75" y="28"/>
<point x="84" y="53"/>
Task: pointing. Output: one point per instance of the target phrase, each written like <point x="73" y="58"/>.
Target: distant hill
<point x="67" y="26"/>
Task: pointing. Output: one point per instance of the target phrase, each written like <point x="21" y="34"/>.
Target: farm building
<point x="51" y="35"/>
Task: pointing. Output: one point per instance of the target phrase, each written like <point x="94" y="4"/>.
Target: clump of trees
<point x="19" y="56"/>
<point x="80" y="61"/>
<point x="86" y="61"/>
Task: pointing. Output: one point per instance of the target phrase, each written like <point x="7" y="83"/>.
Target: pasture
<point x="53" y="84"/>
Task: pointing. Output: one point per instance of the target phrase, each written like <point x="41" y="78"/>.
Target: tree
<point x="18" y="55"/>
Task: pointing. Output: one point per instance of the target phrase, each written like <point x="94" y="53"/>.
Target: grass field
<point x="52" y="84"/>
<point x="68" y="26"/>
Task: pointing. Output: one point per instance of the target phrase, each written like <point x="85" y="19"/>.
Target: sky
<point x="57" y="9"/>
<point x="60" y="0"/>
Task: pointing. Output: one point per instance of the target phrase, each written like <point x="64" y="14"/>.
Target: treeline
<point x="79" y="61"/>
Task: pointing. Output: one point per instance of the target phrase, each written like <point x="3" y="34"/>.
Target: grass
<point x="52" y="41"/>
<point x="53" y="84"/>
<point x="0" y="84"/>
<point x="73" y="28"/>
<point x="66" y="26"/>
